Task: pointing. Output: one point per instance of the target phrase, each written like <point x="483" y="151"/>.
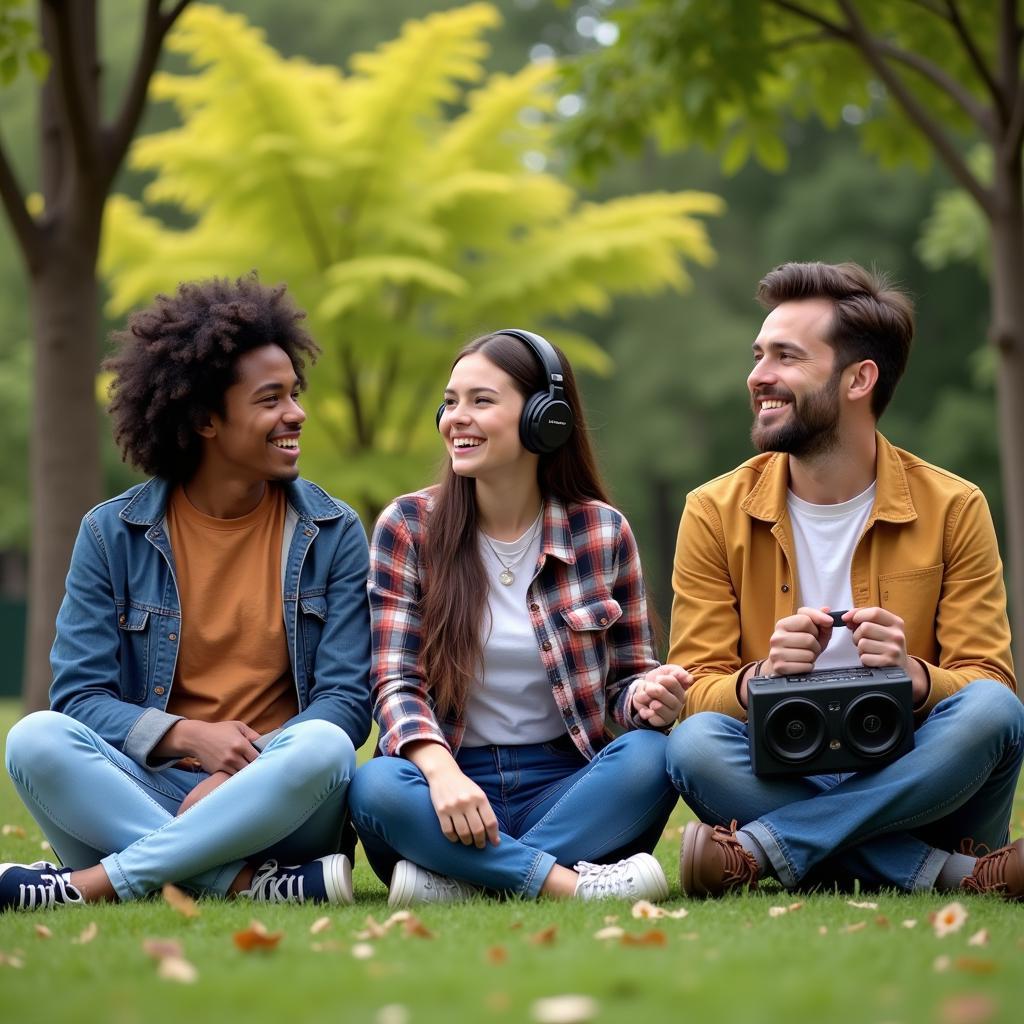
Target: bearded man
<point x="831" y="515"/>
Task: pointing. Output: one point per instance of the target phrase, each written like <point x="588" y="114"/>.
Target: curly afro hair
<point x="178" y="357"/>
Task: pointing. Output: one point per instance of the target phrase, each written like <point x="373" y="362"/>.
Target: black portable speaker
<point x="832" y="720"/>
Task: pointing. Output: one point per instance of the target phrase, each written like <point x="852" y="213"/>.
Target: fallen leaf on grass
<point x="256" y="936"/>
<point x="321" y="924"/>
<point x="160" y="949"/>
<point x="45" y="845"/>
<point x="970" y="1008"/>
<point x="177" y="968"/>
<point x="974" y="965"/>
<point x="43" y="932"/>
<point x="779" y="911"/>
<point x="949" y="919"/>
<point x="612" y="931"/>
<point x="545" y="937"/>
<point x="866" y="905"/>
<point x="611" y="918"/>
<point x="10" y="960"/>
<point x="179" y="901"/>
<point x="941" y="964"/>
<point x="88" y="933"/>
<point x="979" y="938"/>
<point x="373" y="930"/>
<point x="908" y="923"/>
<point x="822" y="929"/>
<point x="645" y="909"/>
<point x="654" y="937"/>
<point x="497" y="954"/>
<point x="564" y="1010"/>
<point x="362" y="951"/>
<point x="858" y="927"/>
<point x="393" y="1013"/>
<point x="14" y="830"/>
<point x="882" y="921"/>
<point x="413" y="927"/>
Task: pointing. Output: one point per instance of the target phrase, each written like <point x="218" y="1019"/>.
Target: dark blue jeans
<point x="553" y="807"/>
<point x="891" y="827"/>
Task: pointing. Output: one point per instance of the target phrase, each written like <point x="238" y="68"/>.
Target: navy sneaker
<point x="36" y="886"/>
<point x="326" y="880"/>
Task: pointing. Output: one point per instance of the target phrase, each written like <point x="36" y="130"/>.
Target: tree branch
<point x="971" y="48"/>
<point x="154" y="29"/>
<point x="25" y="228"/>
<point x="1009" y="55"/>
<point x="82" y="122"/>
<point x="915" y="111"/>
<point x="924" y="67"/>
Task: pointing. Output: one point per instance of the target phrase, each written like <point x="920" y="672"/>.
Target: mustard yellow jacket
<point x="928" y="553"/>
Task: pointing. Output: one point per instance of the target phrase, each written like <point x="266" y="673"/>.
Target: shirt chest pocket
<point x="312" y="617"/>
<point x="134" y="634"/>
<point x="595" y="616"/>
<point x="914" y="597"/>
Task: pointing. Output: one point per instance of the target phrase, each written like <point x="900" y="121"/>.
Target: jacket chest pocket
<point x="312" y="617"/>
<point x="586" y="652"/>
<point x="914" y="597"/>
<point x="134" y="633"/>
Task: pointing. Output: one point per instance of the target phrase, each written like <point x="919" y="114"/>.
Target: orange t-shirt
<point x="233" y="657"/>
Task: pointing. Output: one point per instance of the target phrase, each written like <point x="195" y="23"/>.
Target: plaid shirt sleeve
<point x="630" y="645"/>
<point x="401" y="704"/>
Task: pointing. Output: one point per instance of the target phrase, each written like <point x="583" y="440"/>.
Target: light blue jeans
<point x="552" y="805"/>
<point x="97" y="806"/>
<point x="891" y="827"/>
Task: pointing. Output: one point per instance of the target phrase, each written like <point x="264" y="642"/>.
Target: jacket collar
<point x="893" y="501"/>
<point x="556" y="537"/>
<point x="148" y="504"/>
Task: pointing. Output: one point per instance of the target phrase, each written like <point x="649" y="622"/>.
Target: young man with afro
<point x="210" y="668"/>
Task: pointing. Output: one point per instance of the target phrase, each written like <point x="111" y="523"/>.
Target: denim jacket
<point x="119" y="626"/>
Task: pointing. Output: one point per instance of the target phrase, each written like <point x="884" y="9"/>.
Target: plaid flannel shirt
<point x="586" y="603"/>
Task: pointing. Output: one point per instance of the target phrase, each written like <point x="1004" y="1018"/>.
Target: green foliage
<point x="407" y="208"/>
<point x="725" y="73"/>
<point x="956" y="230"/>
<point x="19" y="42"/>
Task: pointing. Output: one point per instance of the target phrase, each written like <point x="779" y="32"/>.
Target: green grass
<point x="728" y="958"/>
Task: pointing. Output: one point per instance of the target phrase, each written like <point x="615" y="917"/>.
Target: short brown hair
<point x="873" y="319"/>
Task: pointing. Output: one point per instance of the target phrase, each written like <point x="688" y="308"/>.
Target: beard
<point x="812" y="427"/>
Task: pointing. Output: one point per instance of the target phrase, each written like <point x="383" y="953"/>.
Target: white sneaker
<point x="639" y="877"/>
<point x="412" y="884"/>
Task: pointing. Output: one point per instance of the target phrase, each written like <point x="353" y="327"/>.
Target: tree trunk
<point x="64" y="448"/>
<point x="1007" y="334"/>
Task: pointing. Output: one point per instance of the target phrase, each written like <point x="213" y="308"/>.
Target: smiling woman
<point x="509" y="621"/>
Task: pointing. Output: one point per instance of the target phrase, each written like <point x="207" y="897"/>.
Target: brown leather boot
<point x="1000" y="872"/>
<point x="712" y="861"/>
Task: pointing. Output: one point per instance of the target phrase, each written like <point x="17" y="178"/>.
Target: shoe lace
<point x="740" y="866"/>
<point x="44" y="893"/>
<point x="969" y="848"/>
<point x="603" y="879"/>
<point x="989" y="874"/>
<point x="449" y="887"/>
<point x="272" y="884"/>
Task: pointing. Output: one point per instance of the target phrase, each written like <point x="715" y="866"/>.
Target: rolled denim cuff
<point x="149" y="729"/>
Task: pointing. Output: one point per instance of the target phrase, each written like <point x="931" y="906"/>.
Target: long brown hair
<point x="456" y="587"/>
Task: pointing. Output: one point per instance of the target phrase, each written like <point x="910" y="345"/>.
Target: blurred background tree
<point x="921" y="79"/>
<point x="406" y="206"/>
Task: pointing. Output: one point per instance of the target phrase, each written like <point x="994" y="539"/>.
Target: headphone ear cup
<point x="546" y="423"/>
<point x="440" y="413"/>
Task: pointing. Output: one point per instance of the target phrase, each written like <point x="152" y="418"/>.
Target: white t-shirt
<point x="825" y="537"/>
<point x="512" y="703"/>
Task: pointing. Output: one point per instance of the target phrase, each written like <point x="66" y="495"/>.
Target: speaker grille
<point x="795" y="730"/>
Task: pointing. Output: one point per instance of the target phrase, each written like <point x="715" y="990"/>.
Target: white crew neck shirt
<point x="512" y="702"/>
<point x="825" y="537"/>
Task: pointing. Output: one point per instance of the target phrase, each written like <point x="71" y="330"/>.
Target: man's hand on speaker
<point x="659" y="696"/>
<point x="880" y="640"/>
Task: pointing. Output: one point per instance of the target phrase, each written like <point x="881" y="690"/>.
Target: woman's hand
<point x="659" y="696"/>
<point x="462" y="808"/>
<point x="217" y="746"/>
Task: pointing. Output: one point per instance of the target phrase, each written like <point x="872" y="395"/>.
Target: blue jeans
<point x="891" y="827"/>
<point x="95" y="805"/>
<point x="552" y="805"/>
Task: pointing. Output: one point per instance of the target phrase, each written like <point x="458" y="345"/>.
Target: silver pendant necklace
<point x="507" y="577"/>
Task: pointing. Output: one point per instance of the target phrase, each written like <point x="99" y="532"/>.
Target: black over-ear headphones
<point x="547" y="421"/>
